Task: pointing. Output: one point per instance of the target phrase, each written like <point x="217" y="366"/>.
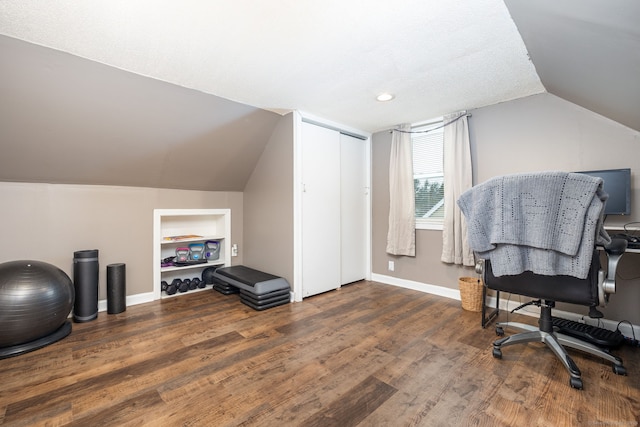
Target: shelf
<point x="191" y="267"/>
<point x="197" y="225"/>
<point x="191" y="239"/>
<point x="193" y="291"/>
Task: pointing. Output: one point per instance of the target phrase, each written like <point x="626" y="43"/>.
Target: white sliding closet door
<point x="353" y="209"/>
<point x="320" y="154"/>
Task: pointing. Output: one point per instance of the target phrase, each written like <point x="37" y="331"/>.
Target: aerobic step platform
<point x="258" y="290"/>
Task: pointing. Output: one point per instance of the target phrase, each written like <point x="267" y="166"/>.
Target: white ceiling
<point x="328" y="58"/>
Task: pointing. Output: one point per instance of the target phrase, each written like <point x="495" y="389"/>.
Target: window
<point x="428" y="174"/>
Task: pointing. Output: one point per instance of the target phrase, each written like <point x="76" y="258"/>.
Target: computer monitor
<point x="617" y="183"/>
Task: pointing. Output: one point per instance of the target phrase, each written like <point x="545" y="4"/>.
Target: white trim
<point x="368" y="220"/>
<point x="297" y="208"/>
<point x="428" y="225"/>
<point x="507" y="305"/>
<point x="319" y="121"/>
<point x="417" y="286"/>
<point x="130" y="300"/>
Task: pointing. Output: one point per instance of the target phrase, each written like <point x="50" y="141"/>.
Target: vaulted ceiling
<point x="586" y="51"/>
<point x="128" y="93"/>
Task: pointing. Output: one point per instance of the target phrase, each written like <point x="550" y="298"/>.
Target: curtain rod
<point x="432" y="129"/>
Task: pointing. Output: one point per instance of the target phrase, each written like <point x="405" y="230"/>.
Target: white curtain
<point x="458" y="179"/>
<point x="401" y="238"/>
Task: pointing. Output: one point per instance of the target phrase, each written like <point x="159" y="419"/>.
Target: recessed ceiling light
<point x="383" y="97"/>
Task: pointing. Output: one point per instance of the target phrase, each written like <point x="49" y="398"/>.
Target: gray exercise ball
<point x="35" y="301"/>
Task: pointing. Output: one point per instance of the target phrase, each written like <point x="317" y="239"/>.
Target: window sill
<point x="429" y="226"/>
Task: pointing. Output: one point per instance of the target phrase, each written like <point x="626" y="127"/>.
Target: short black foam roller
<point x="116" y="288"/>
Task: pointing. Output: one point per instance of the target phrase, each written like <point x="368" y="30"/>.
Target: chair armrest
<point x="616" y="247"/>
<point x="614" y="251"/>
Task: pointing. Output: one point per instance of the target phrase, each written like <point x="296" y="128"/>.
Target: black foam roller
<point x="85" y="282"/>
<point x="116" y="288"/>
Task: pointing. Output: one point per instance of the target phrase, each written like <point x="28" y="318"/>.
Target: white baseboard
<point x="508" y="305"/>
<point x="417" y="286"/>
<point x="130" y="300"/>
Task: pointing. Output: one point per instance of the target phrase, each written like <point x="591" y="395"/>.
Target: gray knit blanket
<point x="545" y="222"/>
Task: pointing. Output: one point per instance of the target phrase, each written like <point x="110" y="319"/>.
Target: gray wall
<point x="544" y="132"/>
<point x="49" y="222"/>
<point x="268" y="202"/>
<point x="541" y="132"/>
<point x="426" y="266"/>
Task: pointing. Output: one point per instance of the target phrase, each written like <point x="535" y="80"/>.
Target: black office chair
<point x="541" y="231"/>
<point x="551" y="289"/>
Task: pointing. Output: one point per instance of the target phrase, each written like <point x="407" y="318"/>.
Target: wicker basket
<point x="470" y="293"/>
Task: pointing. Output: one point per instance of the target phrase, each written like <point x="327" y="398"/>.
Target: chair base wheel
<point x="499" y="331"/>
<point x="619" y="370"/>
<point x="575" y="383"/>
<point x="497" y="353"/>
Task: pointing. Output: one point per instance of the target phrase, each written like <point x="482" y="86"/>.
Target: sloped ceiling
<point x="586" y="51"/>
<point x="145" y="93"/>
<point x="65" y="119"/>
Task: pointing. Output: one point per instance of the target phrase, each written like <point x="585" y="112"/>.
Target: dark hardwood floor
<point x="367" y="355"/>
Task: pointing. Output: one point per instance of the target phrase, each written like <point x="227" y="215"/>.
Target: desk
<point x="626" y="251"/>
<point x="613" y="230"/>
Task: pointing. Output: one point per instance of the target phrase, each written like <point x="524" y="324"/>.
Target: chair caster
<point x="619" y="370"/>
<point x="497" y="353"/>
<point x="499" y="331"/>
<point x="575" y="383"/>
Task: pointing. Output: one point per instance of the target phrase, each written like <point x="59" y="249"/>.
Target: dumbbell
<point x="173" y="287"/>
<point x="199" y="283"/>
<point x="164" y="285"/>
<point x="193" y="284"/>
<point x="184" y="286"/>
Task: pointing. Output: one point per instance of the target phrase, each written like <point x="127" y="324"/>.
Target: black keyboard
<point x="633" y="245"/>
<point x="597" y="336"/>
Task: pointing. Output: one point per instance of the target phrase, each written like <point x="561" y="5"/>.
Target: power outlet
<point x="234" y="250"/>
<point x="392" y="266"/>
